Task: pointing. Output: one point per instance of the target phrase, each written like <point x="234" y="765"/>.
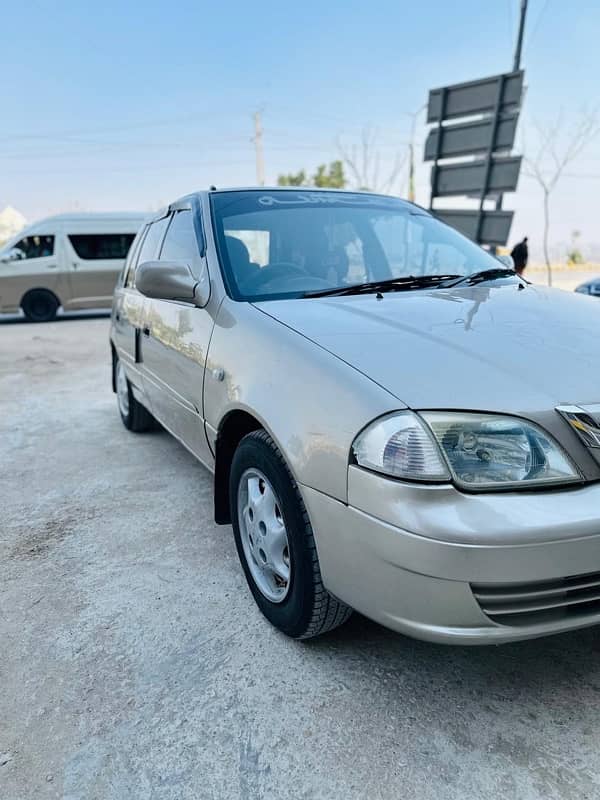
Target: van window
<point x="93" y="246"/>
<point x="152" y="241"/>
<point x="36" y="246"/>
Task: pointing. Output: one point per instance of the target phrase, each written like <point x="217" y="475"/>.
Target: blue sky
<point x="128" y="105"/>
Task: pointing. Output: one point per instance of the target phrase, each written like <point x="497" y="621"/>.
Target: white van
<point x="69" y="260"/>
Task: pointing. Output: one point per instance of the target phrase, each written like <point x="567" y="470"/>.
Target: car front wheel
<point x="275" y="542"/>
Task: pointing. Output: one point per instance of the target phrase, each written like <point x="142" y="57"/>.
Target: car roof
<point x="194" y="196"/>
<point x="304" y="189"/>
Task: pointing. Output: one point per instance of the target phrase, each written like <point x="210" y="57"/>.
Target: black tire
<point x="135" y="416"/>
<point x="40" y="305"/>
<point x="308" y="609"/>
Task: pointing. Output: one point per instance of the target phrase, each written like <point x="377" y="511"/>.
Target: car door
<point x="130" y="308"/>
<point x="95" y="261"/>
<point x="127" y="316"/>
<point x="175" y="341"/>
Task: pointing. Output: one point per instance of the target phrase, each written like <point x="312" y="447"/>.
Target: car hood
<point x="480" y="348"/>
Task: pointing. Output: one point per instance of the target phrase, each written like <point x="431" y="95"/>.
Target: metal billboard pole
<point x="517" y="61"/>
<point x="516" y="65"/>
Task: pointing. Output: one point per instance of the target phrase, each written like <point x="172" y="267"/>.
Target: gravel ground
<point x="134" y="663"/>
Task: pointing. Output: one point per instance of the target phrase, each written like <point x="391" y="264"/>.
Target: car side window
<point x="180" y="242"/>
<point x="151" y="245"/>
<point x="35" y="247"/>
<point x="132" y="259"/>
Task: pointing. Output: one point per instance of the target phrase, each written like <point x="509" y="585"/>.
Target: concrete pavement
<point x="134" y="663"/>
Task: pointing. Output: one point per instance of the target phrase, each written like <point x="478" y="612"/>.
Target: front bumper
<point x="408" y="557"/>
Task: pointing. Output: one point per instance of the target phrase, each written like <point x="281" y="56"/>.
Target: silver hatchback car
<point x="396" y="422"/>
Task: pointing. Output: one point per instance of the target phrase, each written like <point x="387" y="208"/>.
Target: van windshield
<point x="274" y="244"/>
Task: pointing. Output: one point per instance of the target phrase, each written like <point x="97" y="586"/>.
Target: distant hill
<point x="11" y="222"/>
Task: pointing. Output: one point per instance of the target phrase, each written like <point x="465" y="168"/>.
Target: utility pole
<point x="516" y="66"/>
<point x="258" y="146"/>
<point x="411" y="151"/>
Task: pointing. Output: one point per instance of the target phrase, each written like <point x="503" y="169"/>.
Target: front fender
<point x="311" y="402"/>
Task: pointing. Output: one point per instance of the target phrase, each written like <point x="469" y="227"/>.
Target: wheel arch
<point x="233" y="427"/>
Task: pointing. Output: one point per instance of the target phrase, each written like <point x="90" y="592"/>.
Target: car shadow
<point x="505" y="716"/>
<point x="68" y="316"/>
<point x="572" y="658"/>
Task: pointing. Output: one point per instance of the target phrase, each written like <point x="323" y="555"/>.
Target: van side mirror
<point x="14" y="254"/>
<point x="172" y="280"/>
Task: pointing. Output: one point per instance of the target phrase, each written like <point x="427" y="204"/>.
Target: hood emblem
<point x="582" y="423"/>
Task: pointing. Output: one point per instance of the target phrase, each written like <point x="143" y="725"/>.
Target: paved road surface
<point x="134" y="664"/>
<point x="566" y="279"/>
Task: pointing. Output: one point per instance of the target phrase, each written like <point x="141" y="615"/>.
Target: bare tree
<point x="364" y="164"/>
<point x="554" y="153"/>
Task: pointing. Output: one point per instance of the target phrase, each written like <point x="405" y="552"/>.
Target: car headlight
<point x="478" y="451"/>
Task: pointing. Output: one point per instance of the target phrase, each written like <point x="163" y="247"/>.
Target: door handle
<point x="51" y="266"/>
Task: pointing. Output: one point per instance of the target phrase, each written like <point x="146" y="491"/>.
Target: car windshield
<point x="276" y="244"/>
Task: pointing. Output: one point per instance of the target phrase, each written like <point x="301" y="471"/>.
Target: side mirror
<point x="172" y="280"/>
<point x="507" y="261"/>
<point x="12" y="255"/>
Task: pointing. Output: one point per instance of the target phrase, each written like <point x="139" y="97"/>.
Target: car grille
<point x="543" y="601"/>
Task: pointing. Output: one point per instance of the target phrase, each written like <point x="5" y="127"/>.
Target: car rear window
<point x="92" y="246"/>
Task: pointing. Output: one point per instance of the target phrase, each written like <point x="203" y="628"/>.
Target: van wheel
<point x="135" y="417"/>
<point x="275" y="542"/>
<point x="40" y="305"/>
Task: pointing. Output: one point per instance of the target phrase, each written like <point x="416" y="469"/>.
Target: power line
<point x="146" y="168"/>
<point x="95" y="131"/>
<point x="510" y="21"/>
<point x="118" y="148"/>
<point x="536" y="25"/>
<point x="155" y="123"/>
<point x="258" y="145"/>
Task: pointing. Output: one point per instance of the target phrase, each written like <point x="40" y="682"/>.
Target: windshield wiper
<point x="485" y="275"/>
<point x="390" y="285"/>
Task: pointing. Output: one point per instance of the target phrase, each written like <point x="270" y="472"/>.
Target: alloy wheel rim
<point x="122" y="390"/>
<point x="264" y="535"/>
